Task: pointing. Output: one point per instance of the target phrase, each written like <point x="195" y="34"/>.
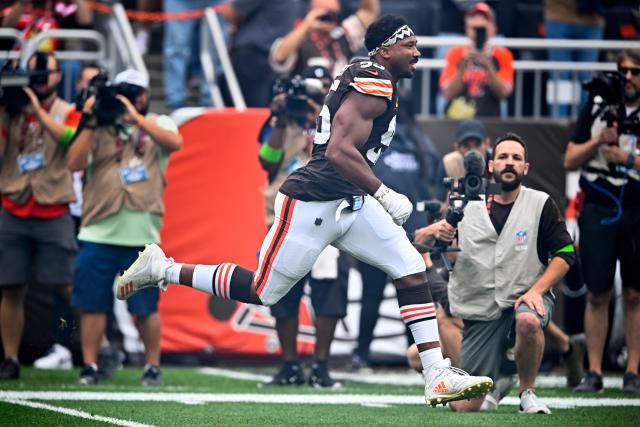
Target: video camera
<point x="13" y="79"/>
<point x="107" y="107"/>
<point x="297" y="91"/>
<point x="609" y="86"/>
<point x="467" y="188"/>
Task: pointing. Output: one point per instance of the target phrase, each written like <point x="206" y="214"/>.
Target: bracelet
<point x="270" y="154"/>
<point x="630" y="161"/>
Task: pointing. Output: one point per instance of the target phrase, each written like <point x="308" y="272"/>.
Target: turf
<point x="185" y="380"/>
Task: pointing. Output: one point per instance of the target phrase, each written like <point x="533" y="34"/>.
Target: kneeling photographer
<point x="37" y="236"/>
<point x="124" y="151"/>
<point x="514" y="247"/>
<point x="605" y="149"/>
<point x="286" y="139"/>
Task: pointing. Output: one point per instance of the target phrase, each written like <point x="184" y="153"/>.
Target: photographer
<point x="292" y="123"/>
<point x="501" y="283"/>
<point x="321" y="38"/>
<point x="37" y="238"/>
<point x="124" y="151"/>
<point x="478" y="76"/>
<point x="604" y="147"/>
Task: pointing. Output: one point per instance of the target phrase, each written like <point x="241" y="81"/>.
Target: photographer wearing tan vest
<point x="124" y="152"/>
<point x="514" y="247"/>
<point x="37" y="236"/>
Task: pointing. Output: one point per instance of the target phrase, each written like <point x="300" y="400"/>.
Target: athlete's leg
<point x="287" y="254"/>
<point x="374" y="238"/>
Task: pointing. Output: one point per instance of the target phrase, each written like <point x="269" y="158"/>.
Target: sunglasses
<point x="635" y="71"/>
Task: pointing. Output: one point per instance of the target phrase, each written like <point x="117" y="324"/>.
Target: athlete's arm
<point x="350" y="129"/>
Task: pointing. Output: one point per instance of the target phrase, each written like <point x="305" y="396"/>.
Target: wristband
<point x="630" y="161"/>
<point x="270" y="154"/>
<point x="381" y="192"/>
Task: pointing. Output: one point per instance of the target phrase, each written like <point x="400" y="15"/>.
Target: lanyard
<point x="139" y="147"/>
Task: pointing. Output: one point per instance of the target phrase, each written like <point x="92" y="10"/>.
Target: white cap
<point x="133" y="77"/>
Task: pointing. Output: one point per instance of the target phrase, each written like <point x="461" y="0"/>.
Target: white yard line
<point x="75" y="413"/>
<point x="394" y="378"/>
<point x="326" y="399"/>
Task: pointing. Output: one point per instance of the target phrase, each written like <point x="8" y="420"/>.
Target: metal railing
<point x="213" y="50"/>
<point x="123" y="51"/>
<point x="537" y="68"/>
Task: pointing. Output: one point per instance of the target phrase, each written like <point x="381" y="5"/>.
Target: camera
<point x="297" y="92"/>
<point x="472" y="185"/>
<point x="107" y="108"/>
<point x="13" y="79"/>
<point x="481" y="37"/>
<point x="609" y="87"/>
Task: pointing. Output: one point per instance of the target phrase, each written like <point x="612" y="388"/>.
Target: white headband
<point x="401" y="33"/>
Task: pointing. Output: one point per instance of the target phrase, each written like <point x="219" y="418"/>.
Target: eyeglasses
<point x="635" y="71"/>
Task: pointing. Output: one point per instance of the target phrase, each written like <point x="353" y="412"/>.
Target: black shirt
<point x="582" y="134"/>
<point x="552" y="230"/>
<point x="319" y="180"/>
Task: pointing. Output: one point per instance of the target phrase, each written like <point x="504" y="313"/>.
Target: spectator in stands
<point x="478" y="76"/>
<point x="287" y="137"/>
<point x="572" y="19"/>
<point x="322" y="39"/>
<point x="122" y="209"/>
<point x="502" y="279"/>
<point x="610" y="219"/>
<point x="470" y="135"/>
<point x="182" y="54"/>
<point x="37" y="236"/>
<point x="257" y="23"/>
<point x="412" y="165"/>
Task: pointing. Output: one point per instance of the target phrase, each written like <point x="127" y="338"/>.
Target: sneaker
<point x="320" y="377"/>
<point x="88" y="375"/>
<point x="574" y="359"/>
<point x="631" y="383"/>
<point x="152" y="375"/>
<point x="530" y="404"/>
<point x="146" y="271"/>
<point x="58" y="357"/>
<point x="360" y="364"/>
<point x="502" y="387"/>
<point x="289" y="374"/>
<point x="444" y="383"/>
<point x="110" y="359"/>
<point x="489" y="403"/>
<point x="9" y="369"/>
<point x="591" y="382"/>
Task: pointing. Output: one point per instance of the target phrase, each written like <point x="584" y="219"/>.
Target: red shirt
<point x="33" y="209"/>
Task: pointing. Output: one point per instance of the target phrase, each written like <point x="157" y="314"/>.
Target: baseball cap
<point x="481" y="9"/>
<point x="470" y="129"/>
<point x="132" y="77"/>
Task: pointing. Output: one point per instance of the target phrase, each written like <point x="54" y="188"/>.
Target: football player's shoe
<point x="148" y="270"/>
<point x="444" y="383"/>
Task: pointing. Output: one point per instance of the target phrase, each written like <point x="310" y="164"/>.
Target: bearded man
<point x="514" y="247"/>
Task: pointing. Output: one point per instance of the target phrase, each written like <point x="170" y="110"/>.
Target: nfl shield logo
<point x="521" y="236"/>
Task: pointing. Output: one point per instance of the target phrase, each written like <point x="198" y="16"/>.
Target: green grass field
<point x="193" y="398"/>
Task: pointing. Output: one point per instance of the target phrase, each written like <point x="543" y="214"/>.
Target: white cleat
<point x="58" y="357"/>
<point x="530" y="404"/>
<point x="444" y="383"/>
<point x="146" y="271"/>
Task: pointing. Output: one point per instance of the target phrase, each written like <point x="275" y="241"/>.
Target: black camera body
<point x="107" y="108"/>
<point x="13" y="79"/>
<point x="609" y="86"/>
<point x="297" y="93"/>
